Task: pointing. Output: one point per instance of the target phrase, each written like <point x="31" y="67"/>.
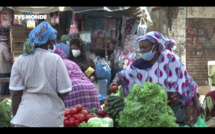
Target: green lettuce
<point x="146" y="106"/>
<point x="98" y="122"/>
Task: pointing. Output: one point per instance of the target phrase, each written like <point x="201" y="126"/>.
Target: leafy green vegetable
<point x="147" y="107"/>
<point x="98" y="122"/>
<point x="5" y="114"/>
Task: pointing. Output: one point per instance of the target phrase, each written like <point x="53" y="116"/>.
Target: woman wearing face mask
<point x="160" y="66"/>
<point x="83" y="91"/>
<point x="77" y="54"/>
<point x="171" y="45"/>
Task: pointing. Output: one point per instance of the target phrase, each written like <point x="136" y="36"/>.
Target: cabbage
<point x="98" y="122"/>
<point x="147" y="107"/>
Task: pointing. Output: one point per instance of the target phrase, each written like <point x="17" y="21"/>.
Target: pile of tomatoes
<point x="75" y="116"/>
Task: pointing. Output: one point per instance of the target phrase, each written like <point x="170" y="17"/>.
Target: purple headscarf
<point x="157" y="38"/>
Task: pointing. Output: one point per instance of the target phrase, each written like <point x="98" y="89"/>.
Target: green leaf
<point x="146" y="106"/>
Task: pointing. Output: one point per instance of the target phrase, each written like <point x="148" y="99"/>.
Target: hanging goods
<point x="5" y="19"/>
<point x="142" y="28"/>
<point x="73" y="27"/>
<point x="30" y="24"/>
<point x="18" y="21"/>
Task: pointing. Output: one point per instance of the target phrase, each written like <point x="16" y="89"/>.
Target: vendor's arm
<point x="16" y="86"/>
<point x="117" y="80"/>
<point x="16" y="99"/>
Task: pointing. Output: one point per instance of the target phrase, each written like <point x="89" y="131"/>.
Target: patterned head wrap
<point x="156" y="38"/>
<point x="171" y="41"/>
<point x="38" y="37"/>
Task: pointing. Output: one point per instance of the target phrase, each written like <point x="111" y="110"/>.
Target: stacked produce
<point x="77" y="115"/>
<point x="114" y="104"/>
<point x="146" y="106"/>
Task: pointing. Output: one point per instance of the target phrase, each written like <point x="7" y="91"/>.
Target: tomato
<point x="66" y="112"/>
<point x="75" y="117"/>
<point x="78" y="108"/>
<point x="114" y="88"/>
<point x="72" y="119"/>
<point x="71" y="122"/>
<point x="66" y="123"/>
<point x="72" y="111"/>
<point x="87" y="117"/>
<point x="65" y="118"/>
<point x="84" y="112"/>
<point x="81" y="117"/>
<point x="76" y="122"/>
<point x="68" y="117"/>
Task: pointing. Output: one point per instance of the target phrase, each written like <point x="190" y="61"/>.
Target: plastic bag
<point x="208" y="105"/>
<point x="142" y="28"/>
<point x="200" y="122"/>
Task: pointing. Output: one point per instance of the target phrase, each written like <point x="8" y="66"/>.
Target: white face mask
<point x="76" y="53"/>
<point x="173" y="48"/>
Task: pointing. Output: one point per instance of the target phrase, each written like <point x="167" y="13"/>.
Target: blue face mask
<point x="148" y="55"/>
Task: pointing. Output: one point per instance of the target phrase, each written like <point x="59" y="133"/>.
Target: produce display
<point x="115" y="103"/>
<point x="5" y="112"/>
<point x="146" y="106"/>
<point x="77" y="115"/>
<point x="98" y="122"/>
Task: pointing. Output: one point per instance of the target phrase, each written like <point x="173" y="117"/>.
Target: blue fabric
<point x="39" y="36"/>
<point x="101" y="97"/>
<point x="65" y="48"/>
<point x="103" y="72"/>
<point x="42" y="33"/>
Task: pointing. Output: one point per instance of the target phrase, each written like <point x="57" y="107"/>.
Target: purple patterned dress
<point x="83" y="92"/>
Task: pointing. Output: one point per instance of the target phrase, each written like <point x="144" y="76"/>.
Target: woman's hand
<point x="113" y="84"/>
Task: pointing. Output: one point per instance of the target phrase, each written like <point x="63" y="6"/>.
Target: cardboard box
<point x="203" y="90"/>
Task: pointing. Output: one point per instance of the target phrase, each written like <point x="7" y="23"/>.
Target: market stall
<point x="17" y="29"/>
<point x="110" y="35"/>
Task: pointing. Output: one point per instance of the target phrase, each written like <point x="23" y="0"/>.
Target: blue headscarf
<point x="38" y="37"/>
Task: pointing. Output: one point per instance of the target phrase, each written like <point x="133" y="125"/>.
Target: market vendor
<point x="160" y="66"/>
<point x="78" y="55"/>
<point x="83" y="91"/>
<point x="38" y="82"/>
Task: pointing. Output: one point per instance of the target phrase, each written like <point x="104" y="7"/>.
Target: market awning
<point x="39" y="9"/>
<point x="136" y="11"/>
<point x="109" y="9"/>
